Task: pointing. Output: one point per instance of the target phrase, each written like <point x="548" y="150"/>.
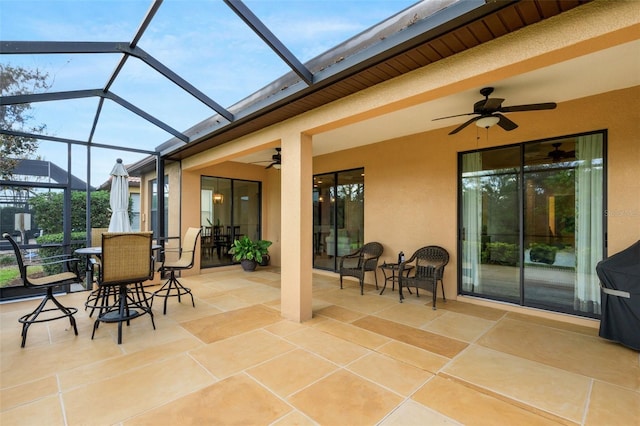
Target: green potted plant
<point x="249" y="252"/>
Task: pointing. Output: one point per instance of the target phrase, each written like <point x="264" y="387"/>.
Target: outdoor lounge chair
<point x="361" y="261"/>
<point x="69" y="274"/>
<point x="173" y="287"/>
<point x="429" y="263"/>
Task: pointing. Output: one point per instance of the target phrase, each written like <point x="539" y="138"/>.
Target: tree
<point x="18" y="81"/>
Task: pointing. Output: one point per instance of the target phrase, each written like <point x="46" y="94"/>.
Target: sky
<point x="203" y="41"/>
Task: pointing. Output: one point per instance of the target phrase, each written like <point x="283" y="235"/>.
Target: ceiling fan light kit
<point x="486" y="122"/>
<point x="488" y="112"/>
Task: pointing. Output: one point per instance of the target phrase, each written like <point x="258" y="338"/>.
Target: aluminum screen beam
<point x="268" y="37"/>
<point x="77" y="94"/>
<point x="73" y="47"/>
<point x="74" y="141"/>
<point x="143" y="26"/>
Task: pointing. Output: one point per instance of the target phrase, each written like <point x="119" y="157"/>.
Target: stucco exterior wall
<point x="411" y="182"/>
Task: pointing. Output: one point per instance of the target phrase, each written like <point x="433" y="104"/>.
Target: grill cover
<point x="620" y="283"/>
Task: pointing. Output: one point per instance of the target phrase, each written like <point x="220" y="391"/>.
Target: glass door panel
<point x="246" y="210"/>
<point x="549" y="231"/>
<point x="490" y="224"/>
<point x="350" y="211"/>
<point x="324" y="243"/>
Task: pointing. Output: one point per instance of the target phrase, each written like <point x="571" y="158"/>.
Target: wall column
<point x="296" y="227"/>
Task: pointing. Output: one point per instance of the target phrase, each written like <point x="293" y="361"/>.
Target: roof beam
<point x="268" y="37"/>
<point x="73" y="47"/>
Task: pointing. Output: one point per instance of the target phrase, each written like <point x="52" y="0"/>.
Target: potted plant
<point x="249" y="252"/>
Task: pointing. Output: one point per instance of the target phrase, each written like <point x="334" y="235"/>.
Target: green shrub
<point x="501" y="254"/>
<point x="542" y="253"/>
<point x="56" y="239"/>
<point x="7" y="260"/>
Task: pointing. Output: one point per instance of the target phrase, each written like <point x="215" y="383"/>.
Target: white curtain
<point x="588" y="222"/>
<point x="472" y="221"/>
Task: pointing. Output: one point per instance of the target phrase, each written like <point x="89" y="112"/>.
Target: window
<point x="338" y="216"/>
<point x="154" y="206"/>
<point x="532" y="223"/>
<point x="135" y="212"/>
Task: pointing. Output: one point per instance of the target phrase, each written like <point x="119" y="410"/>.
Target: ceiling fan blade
<point x="505" y="123"/>
<point x="463" y="125"/>
<point x="451" y="116"/>
<point x="492" y="104"/>
<point x="529" y="107"/>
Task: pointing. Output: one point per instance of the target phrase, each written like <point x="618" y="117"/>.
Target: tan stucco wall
<point x="411" y="182"/>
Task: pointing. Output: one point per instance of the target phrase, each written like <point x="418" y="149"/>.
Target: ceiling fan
<point x="275" y="162"/>
<point x="557" y="154"/>
<point x="488" y="111"/>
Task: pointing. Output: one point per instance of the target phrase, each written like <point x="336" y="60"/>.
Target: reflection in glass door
<point x="532" y="227"/>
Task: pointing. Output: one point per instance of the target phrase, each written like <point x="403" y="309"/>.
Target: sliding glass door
<point x="338" y="216"/>
<point x="229" y="209"/>
<point x="532" y="223"/>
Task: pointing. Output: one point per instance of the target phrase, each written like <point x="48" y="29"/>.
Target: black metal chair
<point x="361" y="261"/>
<point x="173" y="287"/>
<point x="429" y="263"/>
<point x="69" y="275"/>
<point x="126" y="260"/>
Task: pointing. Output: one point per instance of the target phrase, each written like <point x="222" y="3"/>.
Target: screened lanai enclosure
<point x="164" y="82"/>
<point x="90" y="106"/>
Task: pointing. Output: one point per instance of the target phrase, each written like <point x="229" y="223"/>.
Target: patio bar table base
<point x="130" y="303"/>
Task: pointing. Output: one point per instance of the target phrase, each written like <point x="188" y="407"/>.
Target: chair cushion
<point x="50" y="279"/>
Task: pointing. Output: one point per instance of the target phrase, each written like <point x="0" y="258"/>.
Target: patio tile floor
<point x="361" y="360"/>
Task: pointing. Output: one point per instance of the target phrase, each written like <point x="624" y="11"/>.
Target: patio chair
<point x="220" y="240"/>
<point x="126" y="261"/>
<point x="361" y="261"/>
<point x="206" y="241"/>
<point x="173" y="287"/>
<point x="429" y="263"/>
<point x="69" y="275"/>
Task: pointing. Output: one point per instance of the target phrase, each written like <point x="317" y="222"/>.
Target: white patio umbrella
<point x="119" y="199"/>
